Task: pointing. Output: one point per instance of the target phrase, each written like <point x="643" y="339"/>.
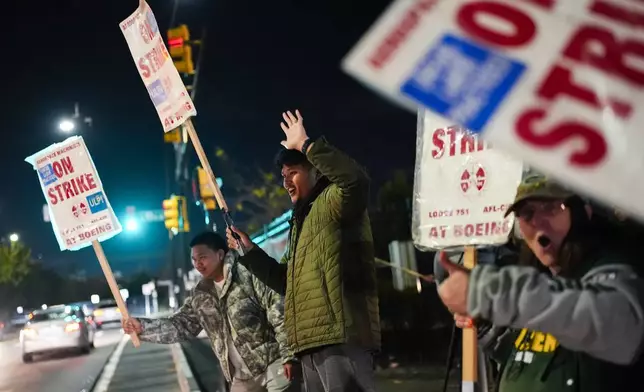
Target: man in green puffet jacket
<point x="328" y="274"/>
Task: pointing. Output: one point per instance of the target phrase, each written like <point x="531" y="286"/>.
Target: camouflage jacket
<point x="246" y="309"/>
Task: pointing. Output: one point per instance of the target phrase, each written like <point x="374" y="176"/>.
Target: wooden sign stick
<point x="470" y="343"/>
<point x="114" y="288"/>
<point x="212" y="180"/>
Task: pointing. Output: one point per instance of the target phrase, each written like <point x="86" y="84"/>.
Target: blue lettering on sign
<point x="157" y="92"/>
<point x="152" y="21"/>
<point x="463" y="81"/>
<point x="97" y="202"/>
<point x="47" y="174"/>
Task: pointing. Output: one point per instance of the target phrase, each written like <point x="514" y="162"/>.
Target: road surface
<point x="67" y="372"/>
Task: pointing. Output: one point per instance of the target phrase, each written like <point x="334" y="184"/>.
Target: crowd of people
<point x="562" y="310"/>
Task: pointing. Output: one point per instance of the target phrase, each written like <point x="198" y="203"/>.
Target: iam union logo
<point x="473" y="179"/>
<point x="79" y="210"/>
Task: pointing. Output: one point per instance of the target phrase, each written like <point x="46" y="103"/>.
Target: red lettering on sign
<point x="595" y="145"/>
<point x="499" y="208"/>
<point x="71" y="188"/>
<point x="618" y="13"/>
<point x="560" y="82"/>
<point x="146" y="72"/>
<point x="547" y="4"/>
<point x="63" y="167"/>
<point x="153" y="60"/>
<point x="524" y="27"/>
<point x="438" y="231"/>
<point x="610" y="58"/>
<point x="86" y="235"/>
<point x="454" y="136"/>
<point x="482" y="229"/>
<point x="407" y="25"/>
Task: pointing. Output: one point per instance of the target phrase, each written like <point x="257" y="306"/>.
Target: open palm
<point x="293" y="127"/>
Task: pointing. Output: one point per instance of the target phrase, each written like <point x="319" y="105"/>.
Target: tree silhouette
<point x="254" y="195"/>
<point x="15" y="261"/>
<point x="391" y="213"/>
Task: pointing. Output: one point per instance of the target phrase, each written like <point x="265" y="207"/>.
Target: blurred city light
<point x="44" y="307"/>
<point x="131" y="224"/>
<point x="20" y="310"/>
<point x="95" y="299"/>
<point x="66" y="126"/>
<point x="14" y="237"/>
<point x="125" y="294"/>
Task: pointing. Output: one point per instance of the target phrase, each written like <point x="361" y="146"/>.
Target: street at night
<point x="64" y="371"/>
<point x="322" y="196"/>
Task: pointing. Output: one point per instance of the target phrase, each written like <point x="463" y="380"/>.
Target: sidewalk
<point x="151" y="367"/>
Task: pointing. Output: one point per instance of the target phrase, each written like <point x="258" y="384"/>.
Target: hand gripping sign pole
<point x="462" y="188"/>
<point x="79" y="210"/>
<point x="163" y="82"/>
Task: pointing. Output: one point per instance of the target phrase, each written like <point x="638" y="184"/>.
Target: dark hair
<point x="290" y="158"/>
<point x="210" y="239"/>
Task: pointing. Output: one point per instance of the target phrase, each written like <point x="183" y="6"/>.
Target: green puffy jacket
<point x="328" y="274"/>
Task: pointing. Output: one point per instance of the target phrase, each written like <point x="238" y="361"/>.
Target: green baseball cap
<point x="538" y="186"/>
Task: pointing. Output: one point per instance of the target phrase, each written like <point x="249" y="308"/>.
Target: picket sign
<point x="462" y="189"/>
<point x="165" y="87"/>
<point x="558" y="83"/>
<point x="79" y="211"/>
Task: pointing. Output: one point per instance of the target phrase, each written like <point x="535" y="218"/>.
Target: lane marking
<point x="110" y="368"/>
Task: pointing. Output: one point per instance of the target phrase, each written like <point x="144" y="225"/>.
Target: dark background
<point x="260" y="58"/>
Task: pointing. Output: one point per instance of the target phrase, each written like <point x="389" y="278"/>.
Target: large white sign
<point x="557" y="83"/>
<point x="166" y="89"/>
<point x="78" y="207"/>
<point x="462" y="188"/>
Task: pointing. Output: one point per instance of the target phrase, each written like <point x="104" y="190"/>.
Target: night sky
<point x="261" y="58"/>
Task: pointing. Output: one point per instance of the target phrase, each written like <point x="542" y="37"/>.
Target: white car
<point x="107" y="313"/>
<point x="56" y="328"/>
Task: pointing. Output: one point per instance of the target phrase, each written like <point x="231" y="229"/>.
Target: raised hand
<point x="293" y="127"/>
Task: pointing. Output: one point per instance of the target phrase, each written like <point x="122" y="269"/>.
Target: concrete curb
<point x="186" y="378"/>
<point x="104" y="378"/>
<point x="92" y="385"/>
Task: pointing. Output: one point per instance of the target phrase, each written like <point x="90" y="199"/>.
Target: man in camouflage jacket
<point x="242" y="317"/>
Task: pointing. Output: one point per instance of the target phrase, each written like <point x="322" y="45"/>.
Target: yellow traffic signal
<point x="205" y="191"/>
<point x="175" y="212"/>
<point x="171" y="213"/>
<point x="181" y="49"/>
<point x="173" y="136"/>
<point x="210" y="204"/>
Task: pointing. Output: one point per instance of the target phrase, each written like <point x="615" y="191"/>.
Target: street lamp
<point x="66" y="125"/>
<point x="14" y="237"/>
<point x="131" y="225"/>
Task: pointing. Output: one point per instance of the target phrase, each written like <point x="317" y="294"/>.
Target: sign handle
<point x="109" y="276"/>
<point x="470" y="343"/>
<point x="212" y="180"/>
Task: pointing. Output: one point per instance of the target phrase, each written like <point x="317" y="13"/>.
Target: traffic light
<point x="175" y="212"/>
<point x="181" y="49"/>
<point x="173" y="136"/>
<point x="171" y="213"/>
<point x="206" y="193"/>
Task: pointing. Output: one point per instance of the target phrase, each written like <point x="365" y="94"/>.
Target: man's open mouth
<point x="544" y="241"/>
